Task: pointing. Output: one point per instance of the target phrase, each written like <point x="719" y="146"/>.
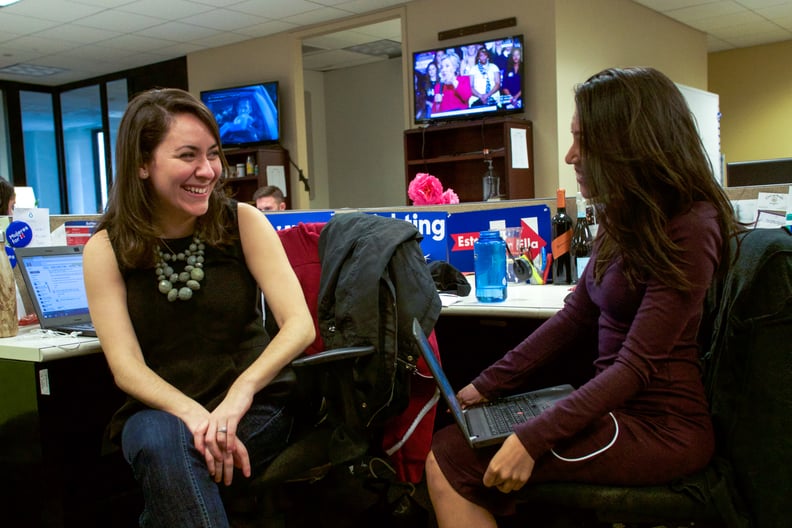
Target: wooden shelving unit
<point x="243" y="188"/>
<point x="456" y="153"/>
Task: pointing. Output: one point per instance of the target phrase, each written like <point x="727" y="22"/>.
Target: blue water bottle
<point x="489" y="255"/>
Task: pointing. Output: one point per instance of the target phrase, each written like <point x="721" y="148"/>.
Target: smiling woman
<point x="172" y="247"/>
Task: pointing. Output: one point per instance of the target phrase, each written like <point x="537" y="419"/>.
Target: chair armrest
<point x="335" y="354"/>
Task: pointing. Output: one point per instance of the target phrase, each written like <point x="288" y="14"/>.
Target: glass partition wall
<point x="83" y="147"/>
<point x="61" y="140"/>
<point x="41" y="159"/>
<point x="5" y="150"/>
<point x="84" y="121"/>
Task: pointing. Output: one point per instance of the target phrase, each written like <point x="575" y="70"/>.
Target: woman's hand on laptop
<point x="469" y="395"/>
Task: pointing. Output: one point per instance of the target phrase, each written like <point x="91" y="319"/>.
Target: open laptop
<point x="489" y="423"/>
<point x="54" y="279"/>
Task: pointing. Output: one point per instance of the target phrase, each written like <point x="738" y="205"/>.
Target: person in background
<point x="512" y="79"/>
<point x="499" y="54"/>
<point x="439" y="54"/>
<point x="269" y="198"/>
<point x="453" y="91"/>
<point x="485" y="80"/>
<point x="172" y="276"/>
<point x="7" y="197"/>
<point x="468" y="61"/>
<point x="665" y="225"/>
<point x="427" y="88"/>
<point x="242" y="125"/>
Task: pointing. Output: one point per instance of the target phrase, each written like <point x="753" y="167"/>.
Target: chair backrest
<point x="386" y="393"/>
<point x="301" y="244"/>
<point x="748" y="372"/>
<point x="375" y="281"/>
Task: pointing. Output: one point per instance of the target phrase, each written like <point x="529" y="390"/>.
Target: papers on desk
<point x="449" y="298"/>
<point x="768" y="210"/>
<point x="34" y="344"/>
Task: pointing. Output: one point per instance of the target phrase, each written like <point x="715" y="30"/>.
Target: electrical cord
<point x="595" y="453"/>
<point x="301" y="176"/>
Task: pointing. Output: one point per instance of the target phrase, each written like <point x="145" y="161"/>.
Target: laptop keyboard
<point x="82" y="326"/>
<point x="86" y="328"/>
<point x="505" y="415"/>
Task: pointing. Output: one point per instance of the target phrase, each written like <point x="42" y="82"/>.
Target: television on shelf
<point x="246" y="115"/>
<point x="480" y="78"/>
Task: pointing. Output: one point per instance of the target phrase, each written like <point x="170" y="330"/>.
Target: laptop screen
<point x="56" y="281"/>
<point x="446" y="390"/>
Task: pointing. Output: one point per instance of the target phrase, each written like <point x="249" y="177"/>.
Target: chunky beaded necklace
<point x="191" y="276"/>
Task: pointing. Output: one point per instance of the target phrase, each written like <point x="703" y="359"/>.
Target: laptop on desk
<point x="489" y="423"/>
<point x="54" y="279"/>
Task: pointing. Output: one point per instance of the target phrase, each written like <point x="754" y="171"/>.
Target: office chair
<point x="747" y="358"/>
<point x="359" y="385"/>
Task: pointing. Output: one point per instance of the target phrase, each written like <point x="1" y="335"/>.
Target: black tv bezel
<point x="251" y="144"/>
<point x="474" y="116"/>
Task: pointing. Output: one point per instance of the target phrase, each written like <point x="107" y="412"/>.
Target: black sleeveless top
<point x="203" y="344"/>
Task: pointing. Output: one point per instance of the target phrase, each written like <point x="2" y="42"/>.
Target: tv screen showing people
<point x="246" y="115"/>
<point x="476" y="79"/>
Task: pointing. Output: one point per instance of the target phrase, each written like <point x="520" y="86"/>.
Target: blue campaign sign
<point x="19" y="234"/>
<point x="464" y="228"/>
<point x="432" y="225"/>
<point x="285" y="219"/>
<point x="11" y="256"/>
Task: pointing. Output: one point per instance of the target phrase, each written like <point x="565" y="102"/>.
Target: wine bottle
<point x="591" y="218"/>
<point x="581" y="239"/>
<point x="561" y="225"/>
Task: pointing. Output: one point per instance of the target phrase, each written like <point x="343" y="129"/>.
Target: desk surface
<point x="522" y="300"/>
<point x="34" y="344"/>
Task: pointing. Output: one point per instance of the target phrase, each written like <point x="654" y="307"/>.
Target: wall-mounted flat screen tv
<point x="477" y="79"/>
<point x="247" y="115"/>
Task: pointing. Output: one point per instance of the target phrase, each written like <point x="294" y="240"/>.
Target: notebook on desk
<point x="54" y="279"/>
<point x="489" y="423"/>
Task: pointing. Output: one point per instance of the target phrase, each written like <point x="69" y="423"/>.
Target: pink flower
<point x="426" y="189"/>
<point x="450" y="197"/>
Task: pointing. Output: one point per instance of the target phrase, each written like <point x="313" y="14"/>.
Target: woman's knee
<point x="155" y="433"/>
<point x="434" y="475"/>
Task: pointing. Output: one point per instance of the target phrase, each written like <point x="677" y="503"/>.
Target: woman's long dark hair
<point x="6" y="193"/>
<point x="644" y="164"/>
<point x="129" y="219"/>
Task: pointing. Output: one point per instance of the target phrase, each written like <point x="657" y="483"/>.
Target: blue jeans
<point x="177" y="488"/>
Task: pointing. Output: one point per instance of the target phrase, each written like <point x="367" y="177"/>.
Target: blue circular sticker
<point x="11" y="256"/>
<point x="19" y="234"/>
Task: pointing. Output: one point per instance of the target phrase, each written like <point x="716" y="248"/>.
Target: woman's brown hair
<point x="644" y="164"/>
<point x="128" y="218"/>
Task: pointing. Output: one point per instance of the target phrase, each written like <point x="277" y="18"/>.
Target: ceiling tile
<point x="127" y="32"/>
<point x="166" y="9"/>
<point x="119" y="21"/>
<point x="323" y="14"/>
<point x="131" y="44"/>
<point x="24" y="24"/>
<point x="53" y="10"/>
<point x="275" y="8"/>
<point x="76" y="34"/>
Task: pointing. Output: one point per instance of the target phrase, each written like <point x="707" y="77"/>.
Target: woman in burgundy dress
<point x="642" y="418"/>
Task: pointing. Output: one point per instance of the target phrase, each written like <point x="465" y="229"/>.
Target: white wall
<point x="316" y="128"/>
<point x="592" y="36"/>
<point x="565" y="42"/>
<point x="365" y="135"/>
